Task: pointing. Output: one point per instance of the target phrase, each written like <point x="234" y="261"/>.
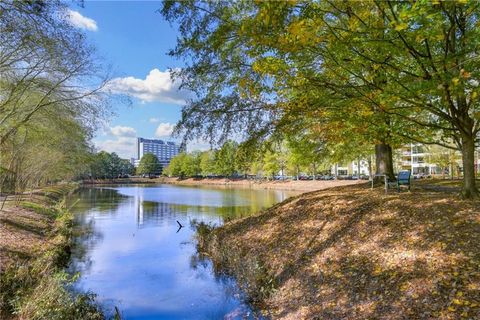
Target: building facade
<point x="416" y="159"/>
<point x="163" y="150"/>
<point x="351" y="168"/>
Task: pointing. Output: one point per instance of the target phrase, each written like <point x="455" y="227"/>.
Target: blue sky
<point x="134" y="39"/>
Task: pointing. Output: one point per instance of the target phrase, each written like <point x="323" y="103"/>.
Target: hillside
<point x="353" y="253"/>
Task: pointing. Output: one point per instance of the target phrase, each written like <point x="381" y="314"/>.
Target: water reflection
<point x="134" y="258"/>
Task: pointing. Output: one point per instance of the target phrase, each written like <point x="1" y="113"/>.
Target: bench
<point x="403" y="179"/>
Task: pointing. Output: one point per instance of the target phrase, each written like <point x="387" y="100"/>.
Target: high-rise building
<point x="163" y="150"/>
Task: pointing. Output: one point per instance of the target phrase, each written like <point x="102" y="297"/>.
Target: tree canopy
<point x="51" y="96"/>
<point x="149" y="165"/>
<point x="378" y="73"/>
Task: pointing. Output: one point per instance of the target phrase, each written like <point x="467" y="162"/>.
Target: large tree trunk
<point x="468" y="158"/>
<point x="384" y="160"/>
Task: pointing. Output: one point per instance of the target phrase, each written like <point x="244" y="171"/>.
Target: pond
<point x="135" y="257"/>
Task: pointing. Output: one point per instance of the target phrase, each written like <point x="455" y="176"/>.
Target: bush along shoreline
<point x="33" y="284"/>
<point x="355" y="253"/>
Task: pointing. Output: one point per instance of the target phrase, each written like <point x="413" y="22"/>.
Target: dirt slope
<point x="354" y="253"/>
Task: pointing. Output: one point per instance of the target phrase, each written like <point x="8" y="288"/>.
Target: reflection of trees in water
<point x="84" y="202"/>
<point x="85" y="239"/>
<point x="255" y="200"/>
<point x="100" y="199"/>
<point x="157" y="213"/>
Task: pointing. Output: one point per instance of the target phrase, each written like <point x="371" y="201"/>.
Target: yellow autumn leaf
<point x="401" y="26"/>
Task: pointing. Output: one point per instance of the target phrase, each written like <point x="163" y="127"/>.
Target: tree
<point x="420" y="57"/>
<point x="51" y="95"/>
<point x="271" y="76"/>
<point x="109" y="166"/>
<point x="407" y="71"/>
<point x="175" y="167"/>
<point x="149" y="165"/>
<point x="207" y="163"/>
<point x="46" y="65"/>
<point x="100" y="165"/>
<point x="47" y="151"/>
<point x="445" y="158"/>
<point x="225" y="158"/>
<point x="126" y="167"/>
<point x="191" y="164"/>
<point x="271" y="165"/>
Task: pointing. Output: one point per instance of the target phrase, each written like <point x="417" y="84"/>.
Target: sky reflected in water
<point x="134" y="257"/>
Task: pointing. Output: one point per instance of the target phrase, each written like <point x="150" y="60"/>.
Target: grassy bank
<point x="355" y="253"/>
<point x="36" y="233"/>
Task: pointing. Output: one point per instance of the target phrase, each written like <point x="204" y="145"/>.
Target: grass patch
<point x="39" y="208"/>
<point x="37" y="287"/>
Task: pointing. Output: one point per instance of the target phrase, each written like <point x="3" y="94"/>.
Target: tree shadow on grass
<point x="39" y="231"/>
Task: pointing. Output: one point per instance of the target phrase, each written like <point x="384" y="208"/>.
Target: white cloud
<point x="77" y="20"/>
<point x="164" y="129"/>
<point x="157" y="86"/>
<point x="153" y="120"/>
<point x="120" y="131"/>
<point x="198" y="145"/>
<point x="123" y="146"/>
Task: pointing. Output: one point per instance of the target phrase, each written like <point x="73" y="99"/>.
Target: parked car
<point x="421" y="175"/>
<point x="305" y="178"/>
<point x="327" y="177"/>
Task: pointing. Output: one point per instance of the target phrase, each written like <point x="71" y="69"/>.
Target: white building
<point x="351" y="168"/>
<point x="163" y="150"/>
<point x="415" y="158"/>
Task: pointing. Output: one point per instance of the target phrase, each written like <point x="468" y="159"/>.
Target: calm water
<point x="134" y="257"/>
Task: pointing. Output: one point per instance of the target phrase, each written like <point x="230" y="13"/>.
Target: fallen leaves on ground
<point x="356" y="253"/>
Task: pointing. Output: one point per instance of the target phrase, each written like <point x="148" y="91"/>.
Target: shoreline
<point x="37" y="235"/>
<point x="355" y="253"/>
<point x="301" y="186"/>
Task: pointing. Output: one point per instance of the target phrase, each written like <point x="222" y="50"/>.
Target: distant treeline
<point x="104" y="165"/>
<point x="232" y="159"/>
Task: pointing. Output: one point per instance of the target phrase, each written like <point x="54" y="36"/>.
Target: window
<point x="418" y="160"/>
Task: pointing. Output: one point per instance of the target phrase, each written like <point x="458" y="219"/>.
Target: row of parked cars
<point x="323" y="177"/>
